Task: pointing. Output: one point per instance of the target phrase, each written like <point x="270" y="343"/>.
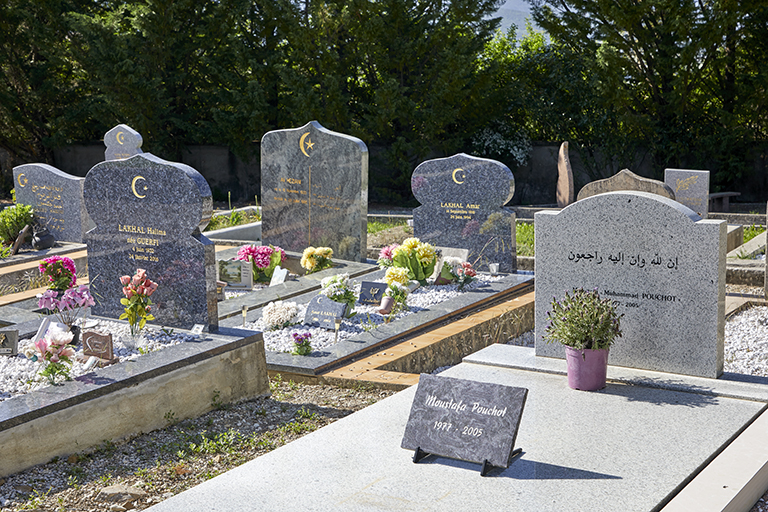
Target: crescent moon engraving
<point x="120" y="138"/>
<point x="301" y="144"/>
<point x="454" y="176"/>
<point x="22" y="183"/>
<point x="133" y="187"/>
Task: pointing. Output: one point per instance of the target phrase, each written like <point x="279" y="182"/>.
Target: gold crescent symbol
<point x="133" y="186"/>
<point x="308" y="144"/>
<point x="120" y="138"/>
<point x="454" y="176"/>
<point x="22" y="183"/>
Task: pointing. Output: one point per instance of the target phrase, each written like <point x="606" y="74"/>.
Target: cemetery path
<point x="165" y="462"/>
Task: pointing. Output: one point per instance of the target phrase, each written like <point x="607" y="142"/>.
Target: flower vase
<point x="131" y="341"/>
<point x="386" y="305"/>
<point x="587" y="368"/>
<point x="75" y="330"/>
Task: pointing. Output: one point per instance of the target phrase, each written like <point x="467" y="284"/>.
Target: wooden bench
<point x="719" y="202"/>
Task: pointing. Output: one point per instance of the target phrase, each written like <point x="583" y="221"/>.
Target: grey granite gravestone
<point x="462" y="199"/>
<point x="57" y="200"/>
<point x="314" y="187"/>
<point x="661" y="264"/>
<point x="149" y="214"/>
<point x="625" y="180"/>
<point x="122" y="142"/>
<point x="565" y="188"/>
<point x="691" y="188"/>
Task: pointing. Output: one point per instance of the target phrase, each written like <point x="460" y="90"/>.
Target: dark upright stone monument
<point x="314" y="187"/>
<point x="122" y="142"/>
<point x="149" y="214"/>
<point x="57" y="199"/>
<point x="462" y="199"/>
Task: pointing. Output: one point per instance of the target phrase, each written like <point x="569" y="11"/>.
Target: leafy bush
<point x="12" y="220"/>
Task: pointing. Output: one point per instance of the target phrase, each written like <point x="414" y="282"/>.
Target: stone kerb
<point x="663" y="266"/>
<point x="122" y="142"/>
<point x="57" y="200"/>
<point x="314" y="187"/>
<point x="149" y="214"/>
<point x="462" y="205"/>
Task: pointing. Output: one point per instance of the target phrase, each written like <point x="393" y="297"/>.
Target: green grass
<point x="374" y="226"/>
<point x="751" y="232"/>
<point x="524" y="236"/>
<point x="227" y="221"/>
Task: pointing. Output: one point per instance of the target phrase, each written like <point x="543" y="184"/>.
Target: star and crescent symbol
<point x="306" y="143"/>
<point x="133" y="186"/>
<point x="23" y="180"/>
<point x="120" y="138"/>
<point x="463" y="175"/>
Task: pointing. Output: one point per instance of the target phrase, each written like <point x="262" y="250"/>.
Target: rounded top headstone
<point x="463" y="178"/>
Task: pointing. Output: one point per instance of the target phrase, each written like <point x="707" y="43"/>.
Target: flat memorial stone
<point x="323" y="312"/>
<point x="464" y="419"/>
<point x="314" y="187"/>
<point x="9" y="342"/>
<point x="691" y="189"/>
<point x="57" y="200"/>
<point x="149" y="213"/>
<point x="122" y="142"/>
<point x="371" y="292"/>
<point x="278" y="276"/>
<point x="663" y="266"/>
<point x="462" y="199"/>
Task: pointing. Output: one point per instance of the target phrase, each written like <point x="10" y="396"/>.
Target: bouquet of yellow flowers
<point x="315" y="259"/>
<point x="417" y="257"/>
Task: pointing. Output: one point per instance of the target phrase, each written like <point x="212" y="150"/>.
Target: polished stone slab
<point x="627" y="448"/>
<point x="691" y="188"/>
<point x="122" y="142"/>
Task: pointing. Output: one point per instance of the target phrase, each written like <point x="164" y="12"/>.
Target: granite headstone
<point x="57" y="200"/>
<point x="625" y="180"/>
<point x="464" y="419"/>
<point x="149" y="214"/>
<point x="122" y="142"/>
<point x="565" y="187"/>
<point x="662" y="265"/>
<point x="462" y="199"/>
<point x="691" y="188"/>
<point x="324" y="312"/>
<point x="314" y="187"/>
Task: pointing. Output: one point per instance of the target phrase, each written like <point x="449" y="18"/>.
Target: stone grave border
<point x="320" y="362"/>
<point x="120" y="400"/>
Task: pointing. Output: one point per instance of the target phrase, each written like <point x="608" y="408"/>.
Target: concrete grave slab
<point x="57" y="199"/>
<point x="462" y="205"/>
<point x="663" y="265"/>
<point x="314" y="188"/>
<point x="358" y="465"/>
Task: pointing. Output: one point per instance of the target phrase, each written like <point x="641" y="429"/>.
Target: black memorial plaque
<point x="323" y="312"/>
<point x="371" y="292"/>
<point x="465" y="420"/>
<point x="9" y="343"/>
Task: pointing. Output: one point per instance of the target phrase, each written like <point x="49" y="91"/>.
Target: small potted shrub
<point x="587" y="325"/>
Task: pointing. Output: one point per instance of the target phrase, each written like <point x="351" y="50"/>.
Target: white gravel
<point x="746" y="342"/>
<point x="365" y="319"/>
<point x="19" y="375"/>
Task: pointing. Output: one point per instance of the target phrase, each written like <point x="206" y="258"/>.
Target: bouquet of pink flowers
<point x="61" y="272"/>
<point x="67" y="305"/>
<point x="264" y="259"/>
<point x="53" y="349"/>
<point x="456" y="271"/>
<point x="385" y="255"/>
<point x="137" y="290"/>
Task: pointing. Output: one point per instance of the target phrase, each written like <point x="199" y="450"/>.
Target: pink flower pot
<point x="386" y="305"/>
<point x="586" y="368"/>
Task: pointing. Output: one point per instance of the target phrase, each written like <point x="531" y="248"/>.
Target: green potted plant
<point x="587" y="325"/>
